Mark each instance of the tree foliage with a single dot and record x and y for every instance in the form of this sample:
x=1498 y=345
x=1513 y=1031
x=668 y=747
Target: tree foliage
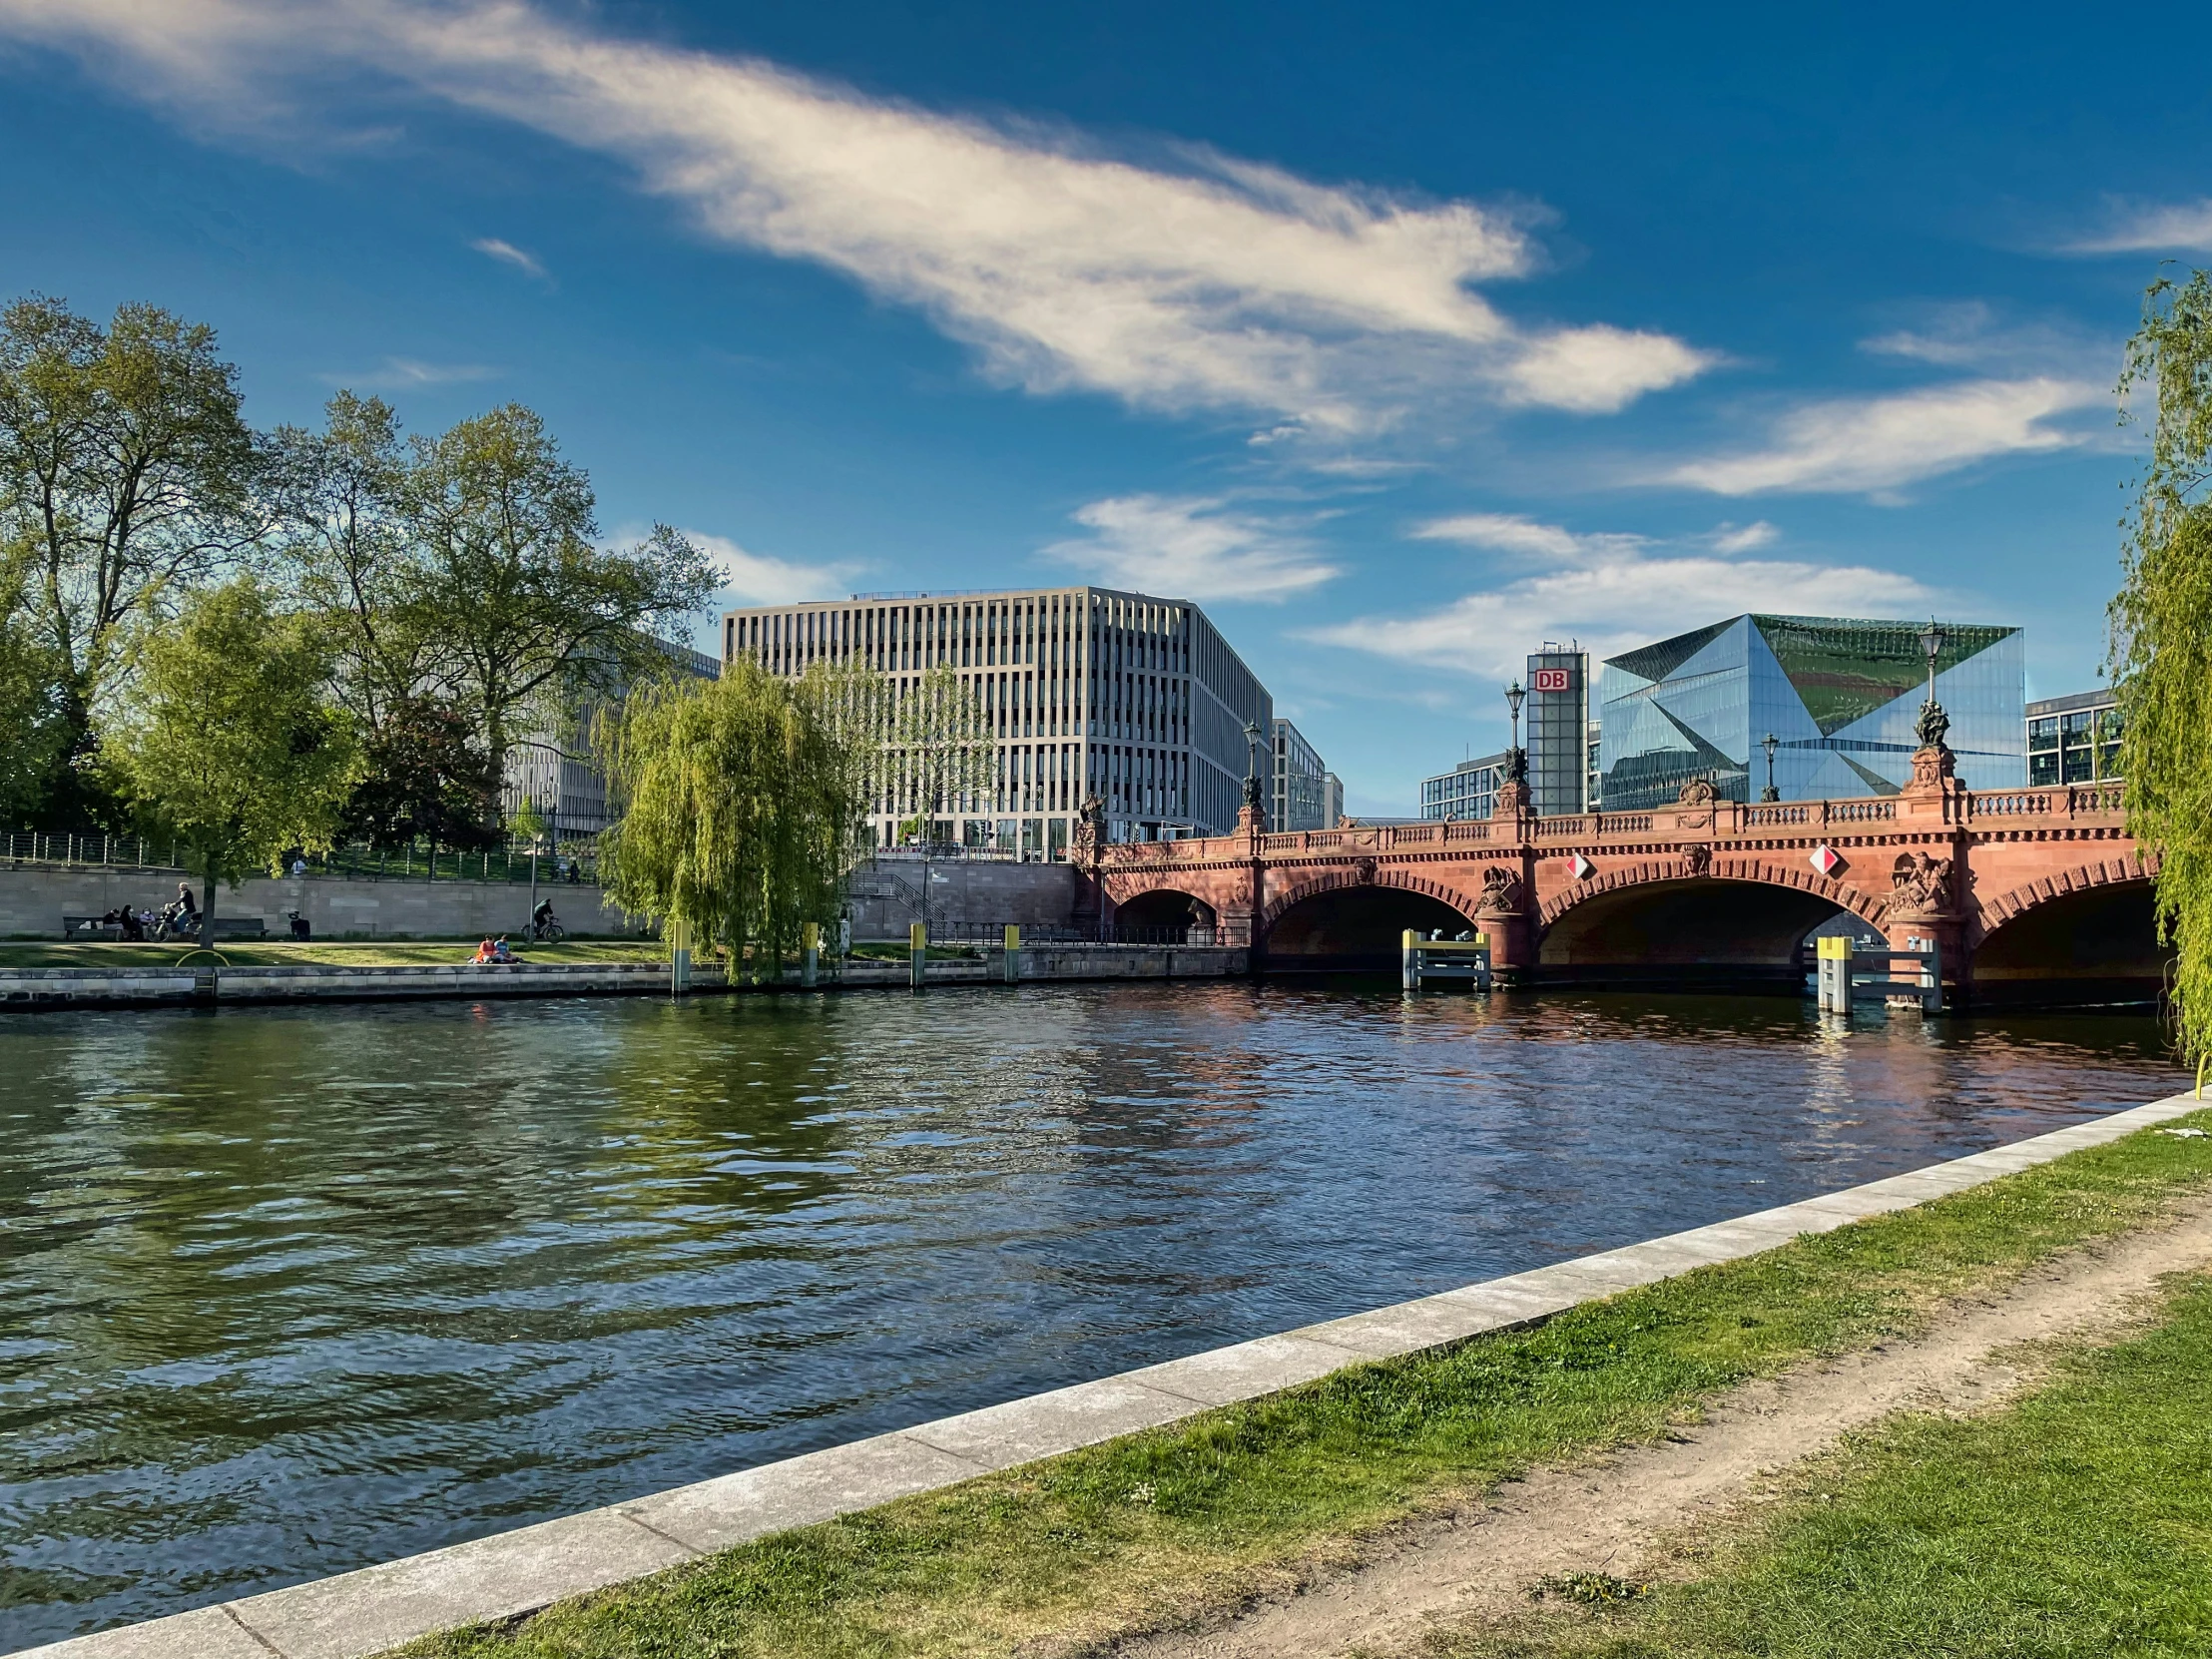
x=508 y=586
x=2161 y=651
x=126 y=477
x=228 y=744
x=741 y=799
x=423 y=779
x=935 y=748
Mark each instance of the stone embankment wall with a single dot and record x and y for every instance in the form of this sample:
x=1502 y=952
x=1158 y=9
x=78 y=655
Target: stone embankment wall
x=33 y=901
x=209 y=982
x=968 y=898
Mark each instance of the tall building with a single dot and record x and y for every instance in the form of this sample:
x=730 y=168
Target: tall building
x=552 y=770
x=1468 y=790
x=1136 y=699
x=1332 y=800
x=1842 y=698
x=1558 y=730
x=1298 y=799
x=2073 y=739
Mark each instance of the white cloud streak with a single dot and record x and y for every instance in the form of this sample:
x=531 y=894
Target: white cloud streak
x=1742 y=538
x=1512 y=533
x=2152 y=227
x=1877 y=444
x=1217 y=284
x=408 y=373
x=508 y=254
x=1191 y=548
x=755 y=579
x=1616 y=595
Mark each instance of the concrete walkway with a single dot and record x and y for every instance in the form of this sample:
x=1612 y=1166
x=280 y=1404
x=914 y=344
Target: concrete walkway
x=365 y=1612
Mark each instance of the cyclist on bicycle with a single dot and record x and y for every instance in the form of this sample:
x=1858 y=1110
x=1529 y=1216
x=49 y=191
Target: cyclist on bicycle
x=542 y=919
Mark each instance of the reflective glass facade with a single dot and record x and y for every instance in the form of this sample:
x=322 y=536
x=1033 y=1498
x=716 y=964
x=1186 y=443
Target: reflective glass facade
x=1468 y=790
x=1558 y=730
x=2073 y=739
x=1840 y=696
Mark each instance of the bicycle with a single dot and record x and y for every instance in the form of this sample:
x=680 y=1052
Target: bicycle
x=547 y=932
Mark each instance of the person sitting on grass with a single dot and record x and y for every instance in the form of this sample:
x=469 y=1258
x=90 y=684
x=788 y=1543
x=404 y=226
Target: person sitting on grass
x=500 y=952
x=484 y=953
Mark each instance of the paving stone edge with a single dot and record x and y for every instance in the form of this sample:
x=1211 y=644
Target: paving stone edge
x=363 y=1613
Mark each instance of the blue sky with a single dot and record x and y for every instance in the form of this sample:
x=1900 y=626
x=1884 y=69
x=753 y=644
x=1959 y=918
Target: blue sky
x=1399 y=337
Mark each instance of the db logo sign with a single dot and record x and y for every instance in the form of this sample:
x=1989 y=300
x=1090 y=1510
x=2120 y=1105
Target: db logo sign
x=1548 y=680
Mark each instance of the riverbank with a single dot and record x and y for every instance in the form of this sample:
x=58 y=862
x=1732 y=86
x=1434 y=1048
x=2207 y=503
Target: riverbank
x=140 y=976
x=1341 y=1435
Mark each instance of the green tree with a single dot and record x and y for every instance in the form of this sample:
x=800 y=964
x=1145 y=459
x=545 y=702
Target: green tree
x=126 y=477
x=344 y=548
x=32 y=734
x=423 y=779
x=508 y=585
x=2161 y=654
x=739 y=806
x=228 y=744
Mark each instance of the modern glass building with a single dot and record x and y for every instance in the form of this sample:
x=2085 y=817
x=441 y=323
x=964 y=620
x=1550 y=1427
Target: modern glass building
x=1841 y=696
x=1468 y=790
x=2073 y=739
x=1299 y=797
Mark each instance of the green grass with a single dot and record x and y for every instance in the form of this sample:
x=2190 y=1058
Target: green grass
x=1166 y=1526
x=327 y=953
x=2074 y=1525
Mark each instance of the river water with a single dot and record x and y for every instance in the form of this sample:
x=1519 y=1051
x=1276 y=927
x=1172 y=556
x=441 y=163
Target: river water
x=286 y=1291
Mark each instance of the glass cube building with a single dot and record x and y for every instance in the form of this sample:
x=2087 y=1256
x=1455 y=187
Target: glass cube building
x=1840 y=696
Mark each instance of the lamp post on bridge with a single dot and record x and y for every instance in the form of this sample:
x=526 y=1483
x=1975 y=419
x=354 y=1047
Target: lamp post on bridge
x=1252 y=772
x=1770 y=744
x=1516 y=760
x=1933 y=724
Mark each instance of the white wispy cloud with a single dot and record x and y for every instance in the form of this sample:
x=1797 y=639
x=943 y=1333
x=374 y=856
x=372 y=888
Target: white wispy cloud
x=2151 y=228
x=1742 y=538
x=747 y=578
x=1873 y=445
x=1205 y=283
x=1191 y=547
x=1612 y=598
x=1512 y=533
x=508 y=254
x=405 y=374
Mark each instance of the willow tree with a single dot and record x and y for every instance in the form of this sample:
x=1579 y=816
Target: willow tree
x=2161 y=655
x=739 y=801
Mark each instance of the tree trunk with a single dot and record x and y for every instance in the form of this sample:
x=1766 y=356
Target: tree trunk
x=207 y=902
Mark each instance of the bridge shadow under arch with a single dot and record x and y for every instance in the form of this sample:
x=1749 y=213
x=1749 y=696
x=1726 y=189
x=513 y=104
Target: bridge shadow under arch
x=1356 y=929
x=1163 y=911
x=2093 y=946
x=1695 y=934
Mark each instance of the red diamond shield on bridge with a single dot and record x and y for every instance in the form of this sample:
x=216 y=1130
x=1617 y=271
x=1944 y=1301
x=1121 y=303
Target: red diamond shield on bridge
x=1825 y=859
x=1582 y=868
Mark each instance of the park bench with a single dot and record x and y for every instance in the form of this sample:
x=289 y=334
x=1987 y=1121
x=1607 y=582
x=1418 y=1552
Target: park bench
x=225 y=927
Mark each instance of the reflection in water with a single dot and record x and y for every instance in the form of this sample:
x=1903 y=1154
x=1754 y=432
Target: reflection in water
x=285 y=1292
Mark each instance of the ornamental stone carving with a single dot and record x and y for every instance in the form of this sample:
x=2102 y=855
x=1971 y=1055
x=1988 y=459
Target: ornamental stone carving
x=1698 y=860
x=1696 y=792
x=1365 y=870
x=1920 y=883
x=1502 y=889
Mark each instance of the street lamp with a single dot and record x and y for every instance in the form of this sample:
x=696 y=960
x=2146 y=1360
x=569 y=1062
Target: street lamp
x=1251 y=763
x=1516 y=764
x=1770 y=744
x=1933 y=724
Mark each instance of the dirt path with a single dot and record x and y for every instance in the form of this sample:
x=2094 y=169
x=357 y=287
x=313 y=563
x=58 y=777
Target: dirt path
x=1610 y=1518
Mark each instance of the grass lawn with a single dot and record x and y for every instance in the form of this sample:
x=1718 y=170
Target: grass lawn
x=1164 y=1527
x=324 y=954
x=2074 y=1524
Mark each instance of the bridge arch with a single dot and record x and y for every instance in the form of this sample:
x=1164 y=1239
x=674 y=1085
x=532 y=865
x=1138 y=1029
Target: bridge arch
x=1164 y=910
x=1351 y=919
x=1725 y=923
x=2084 y=936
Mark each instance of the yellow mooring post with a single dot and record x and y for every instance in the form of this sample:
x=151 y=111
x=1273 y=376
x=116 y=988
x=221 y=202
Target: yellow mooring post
x=1014 y=953
x=1835 y=973
x=809 y=952
x=1409 y=959
x=917 y=953
x=678 y=959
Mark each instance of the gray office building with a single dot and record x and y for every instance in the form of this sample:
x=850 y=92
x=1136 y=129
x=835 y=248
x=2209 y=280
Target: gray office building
x=1468 y=790
x=1136 y=699
x=2073 y=739
x=1558 y=714
x=1299 y=797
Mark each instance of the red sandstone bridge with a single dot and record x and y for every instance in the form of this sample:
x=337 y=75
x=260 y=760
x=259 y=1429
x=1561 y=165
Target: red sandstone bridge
x=2036 y=895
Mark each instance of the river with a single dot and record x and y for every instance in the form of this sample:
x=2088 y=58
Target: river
x=289 y=1290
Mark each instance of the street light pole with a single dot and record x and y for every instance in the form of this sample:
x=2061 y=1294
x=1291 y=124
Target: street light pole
x=1933 y=724
x=1251 y=763
x=1516 y=763
x=1770 y=744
